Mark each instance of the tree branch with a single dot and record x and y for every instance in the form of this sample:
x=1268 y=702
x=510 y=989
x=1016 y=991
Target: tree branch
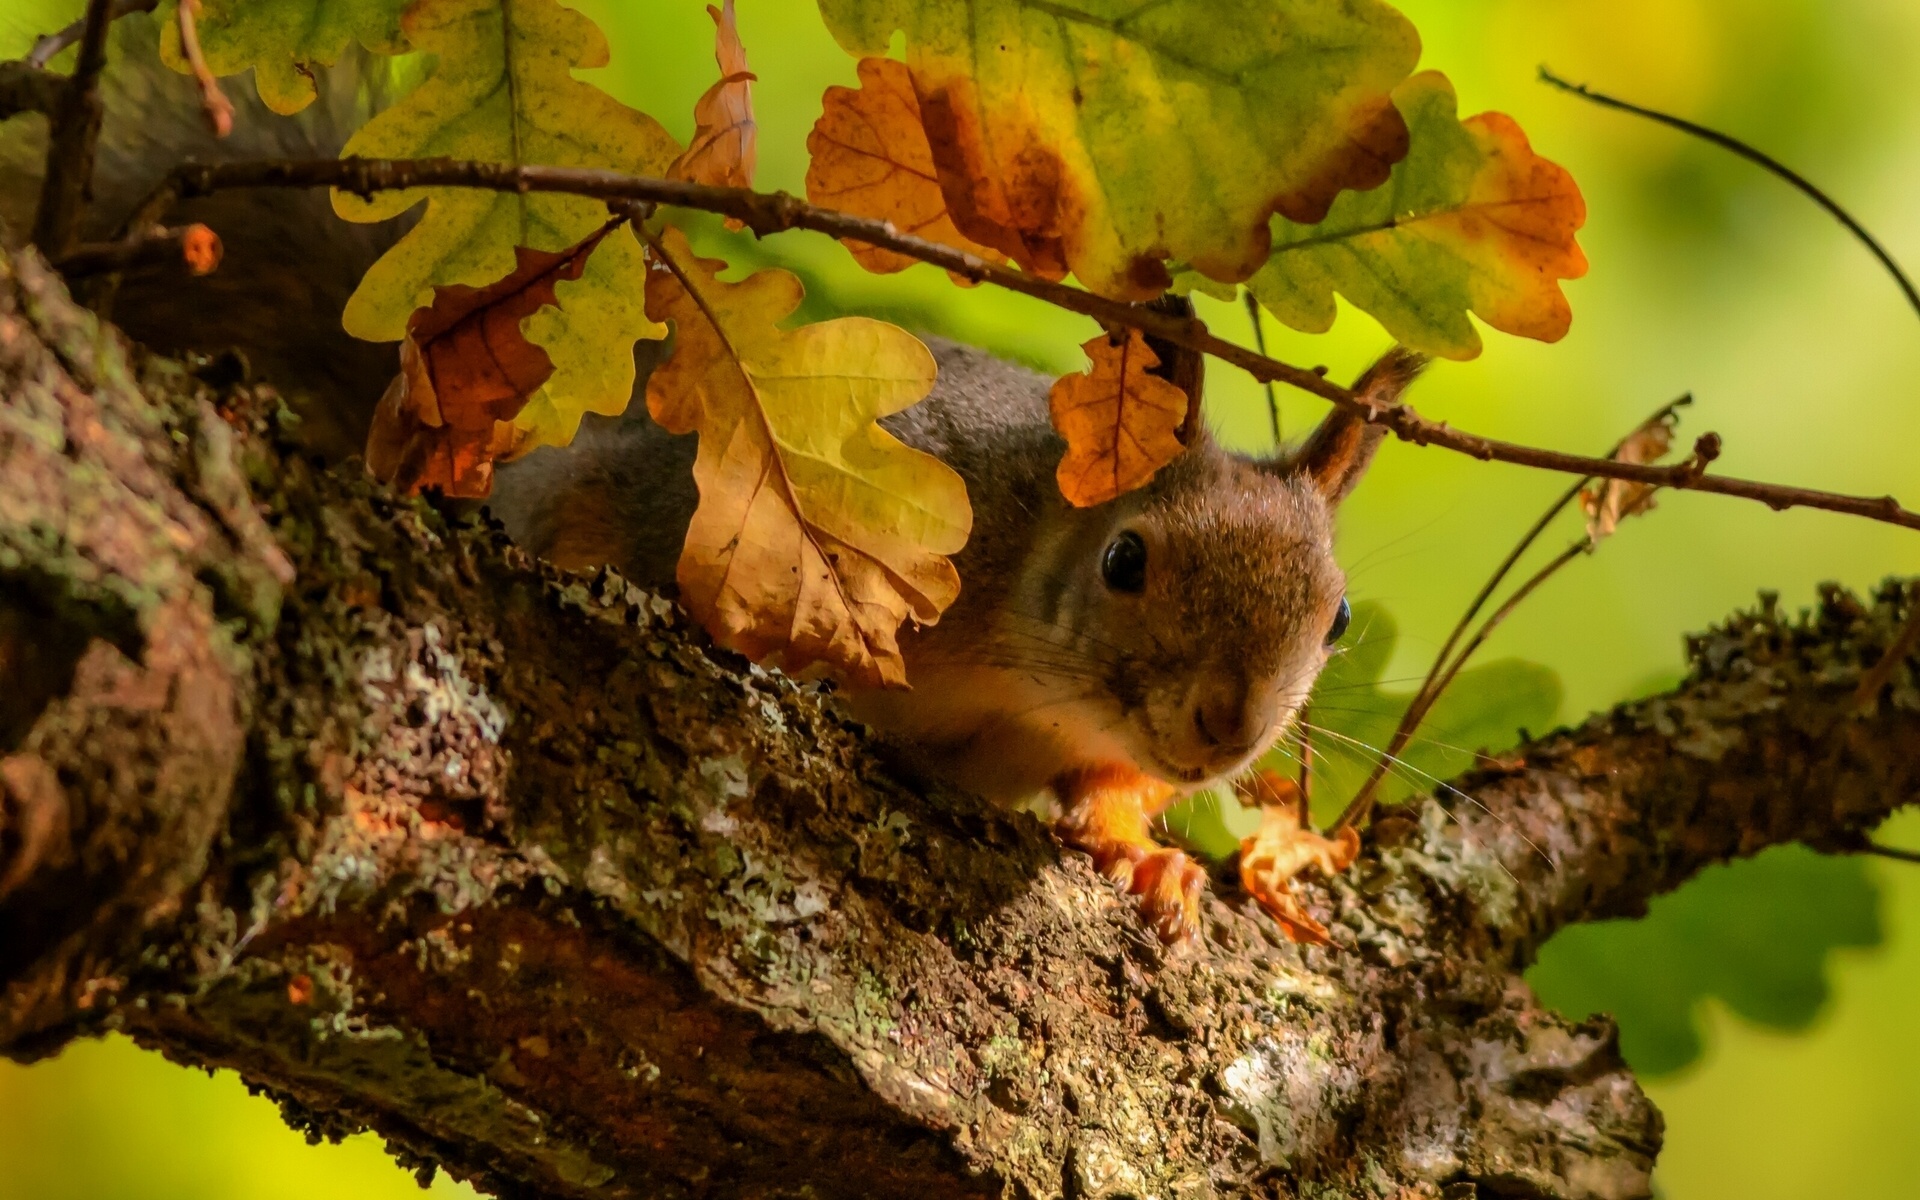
x=28 y=89
x=70 y=141
x=422 y=836
x=766 y=213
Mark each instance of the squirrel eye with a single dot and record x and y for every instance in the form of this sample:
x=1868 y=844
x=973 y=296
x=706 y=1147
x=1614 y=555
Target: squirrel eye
x=1341 y=617
x=1124 y=565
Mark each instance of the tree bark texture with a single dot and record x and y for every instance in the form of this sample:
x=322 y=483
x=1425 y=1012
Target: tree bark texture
x=420 y=835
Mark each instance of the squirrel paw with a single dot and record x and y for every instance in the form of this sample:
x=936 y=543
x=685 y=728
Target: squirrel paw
x=1282 y=848
x=1108 y=816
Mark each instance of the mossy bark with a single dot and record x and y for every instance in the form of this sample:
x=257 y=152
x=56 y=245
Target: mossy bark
x=423 y=836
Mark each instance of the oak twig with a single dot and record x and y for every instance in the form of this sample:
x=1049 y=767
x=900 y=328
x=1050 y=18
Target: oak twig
x=777 y=212
x=25 y=88
x=195 y=247
x=48 y=47
x=70 y=142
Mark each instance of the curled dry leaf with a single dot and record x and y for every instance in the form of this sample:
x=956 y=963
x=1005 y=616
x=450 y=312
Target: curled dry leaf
x=1607 y=502
x=1121 y=422
x=818 y=532
x=1104 y=138
x=724 y=148
x=466 y=372
x=871 y=158
x=1282 y=848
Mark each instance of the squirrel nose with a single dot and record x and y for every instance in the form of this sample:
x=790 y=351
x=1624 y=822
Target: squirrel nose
x=1231 y=714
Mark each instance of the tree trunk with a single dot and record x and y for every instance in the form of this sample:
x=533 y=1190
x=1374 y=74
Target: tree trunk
x=420 y=835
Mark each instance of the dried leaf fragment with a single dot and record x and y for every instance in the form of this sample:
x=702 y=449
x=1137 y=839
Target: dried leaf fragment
x=724 y=149
x=1607 y=502
x=1282 y=848
x=1122 y=423
x=870 y=157
x=466 y=371
x=818 y=532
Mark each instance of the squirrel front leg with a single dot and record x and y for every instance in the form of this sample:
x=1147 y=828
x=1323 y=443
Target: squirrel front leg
x=1108 y=813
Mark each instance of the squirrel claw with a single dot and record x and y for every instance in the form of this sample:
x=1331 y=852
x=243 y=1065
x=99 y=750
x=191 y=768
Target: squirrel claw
x=1169 y=884
x=1282 y=848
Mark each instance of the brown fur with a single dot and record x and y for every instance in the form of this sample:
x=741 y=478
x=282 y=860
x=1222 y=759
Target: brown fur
x=1039 y=669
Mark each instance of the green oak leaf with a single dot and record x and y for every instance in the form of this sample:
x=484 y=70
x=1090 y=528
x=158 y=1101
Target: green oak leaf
x=1757 y=934
x=1471 y=221
x=282 y=40
x=503 y=91
x=1104 y=136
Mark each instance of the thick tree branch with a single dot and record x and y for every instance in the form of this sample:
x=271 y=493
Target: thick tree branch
x=766 y=213
x=70 y=144
x=423 y=836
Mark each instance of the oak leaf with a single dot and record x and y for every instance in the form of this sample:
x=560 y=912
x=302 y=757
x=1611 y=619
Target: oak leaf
x=1121 y=423
x=503 y=90
x=1471 y=221
x=870 y=157
x=466 y=371
x=283 y=41
x=724 y=149
x=817 y=532
x=1104 y=136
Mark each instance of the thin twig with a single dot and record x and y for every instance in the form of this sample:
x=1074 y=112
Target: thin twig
x=1362 y=802
x=1260 y=344
x=213 y=101
x=1306 y=763
x=48 y=47
x=1760 y=159
x=1893 y=852
x=193 y=246
x=26 y=88
x=766 y=213
x=1904 y=644
x=70 y=141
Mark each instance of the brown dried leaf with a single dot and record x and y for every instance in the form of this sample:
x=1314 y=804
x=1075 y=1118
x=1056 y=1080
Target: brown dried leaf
x=1121 y=423
x=1608 y=502
x=466 y=371
x=724 y=150
x=1282 y=848
x=871 y=158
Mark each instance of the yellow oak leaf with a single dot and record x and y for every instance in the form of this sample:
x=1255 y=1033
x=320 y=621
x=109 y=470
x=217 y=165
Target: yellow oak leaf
x=1121 y=422
x=817 y=532
x=282 y=40
x=870 y=157
x=724 y=149
x=503 y=90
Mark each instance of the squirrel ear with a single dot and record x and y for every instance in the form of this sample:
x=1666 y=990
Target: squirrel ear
x=1338 y=451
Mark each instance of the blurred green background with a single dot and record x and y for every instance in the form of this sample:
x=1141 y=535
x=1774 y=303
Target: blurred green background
x=1768 y=1003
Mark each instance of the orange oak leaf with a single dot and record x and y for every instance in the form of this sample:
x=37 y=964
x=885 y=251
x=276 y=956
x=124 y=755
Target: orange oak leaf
x=871 y=158
x=817 y=532
x=724 y=149
x=1121 y=422
x=466 y=371
x=1282 y=848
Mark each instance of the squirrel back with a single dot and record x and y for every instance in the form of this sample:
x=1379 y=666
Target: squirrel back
x=290 y=264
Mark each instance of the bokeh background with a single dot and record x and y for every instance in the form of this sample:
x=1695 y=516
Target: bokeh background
x=1769 y=1004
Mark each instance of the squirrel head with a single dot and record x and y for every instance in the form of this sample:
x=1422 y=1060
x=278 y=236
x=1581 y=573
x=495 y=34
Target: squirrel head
x=1190 y=618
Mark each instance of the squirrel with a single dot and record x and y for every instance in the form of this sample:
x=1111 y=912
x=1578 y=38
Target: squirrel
x=1115 y=657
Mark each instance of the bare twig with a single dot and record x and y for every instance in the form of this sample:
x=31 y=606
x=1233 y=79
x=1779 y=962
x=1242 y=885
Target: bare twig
x=775 y=212
x=47 y=48
x=26 y=88
x=1444 y=668
x=1260 y=344
x=1306 y=765
x=194 y=246
x=213 y=101
x=1892 y=852
x=1762 y=160
x=70 y=142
